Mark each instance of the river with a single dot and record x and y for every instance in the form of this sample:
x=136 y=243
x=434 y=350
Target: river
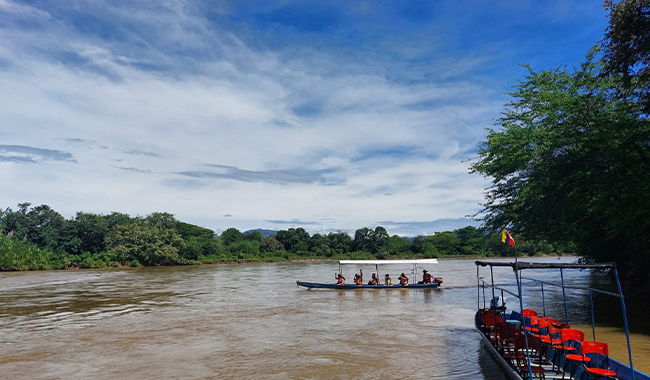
x=252 y=321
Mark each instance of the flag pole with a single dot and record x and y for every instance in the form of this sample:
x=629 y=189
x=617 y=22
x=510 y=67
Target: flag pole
x=521 y=304
x=516 y=264
x=515 y=254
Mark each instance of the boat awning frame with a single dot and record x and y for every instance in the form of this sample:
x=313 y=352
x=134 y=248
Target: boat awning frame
x=517 y=267
x=528 y=265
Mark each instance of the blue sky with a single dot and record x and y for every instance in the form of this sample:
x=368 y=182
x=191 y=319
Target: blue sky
x=327 y=115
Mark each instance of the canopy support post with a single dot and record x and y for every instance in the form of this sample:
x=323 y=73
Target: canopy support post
x=566 y=312
x=523 y=325
x=593 y=317
x=627 y=330
x=543 y=301
x=478 y=289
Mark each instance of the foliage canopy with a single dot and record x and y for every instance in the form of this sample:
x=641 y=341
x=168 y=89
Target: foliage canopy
x=570 y=162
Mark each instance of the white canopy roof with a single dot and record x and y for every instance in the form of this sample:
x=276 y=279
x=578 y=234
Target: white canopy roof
x=384 y=262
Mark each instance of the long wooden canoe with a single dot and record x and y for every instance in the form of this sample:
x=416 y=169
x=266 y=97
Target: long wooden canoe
x=317 y=285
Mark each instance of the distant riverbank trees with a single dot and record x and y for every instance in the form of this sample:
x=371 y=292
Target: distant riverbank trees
x=38 y=237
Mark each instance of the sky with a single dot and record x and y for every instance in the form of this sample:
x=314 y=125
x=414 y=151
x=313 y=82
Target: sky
x=325 y=115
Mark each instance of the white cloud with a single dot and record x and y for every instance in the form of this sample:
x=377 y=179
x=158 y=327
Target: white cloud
x=21 y=10
x=235 y=107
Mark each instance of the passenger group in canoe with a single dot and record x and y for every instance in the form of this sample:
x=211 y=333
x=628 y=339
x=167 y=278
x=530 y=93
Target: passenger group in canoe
x=427 y=278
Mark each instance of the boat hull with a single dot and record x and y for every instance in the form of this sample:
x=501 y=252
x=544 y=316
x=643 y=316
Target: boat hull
x=505 y=366
x=317 y=285
x=623 y=372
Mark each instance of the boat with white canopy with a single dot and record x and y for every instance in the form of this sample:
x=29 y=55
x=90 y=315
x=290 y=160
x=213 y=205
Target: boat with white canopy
x=385 y=282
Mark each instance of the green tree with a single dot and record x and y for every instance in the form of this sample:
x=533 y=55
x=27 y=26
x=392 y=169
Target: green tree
x=446 y=243
x=116 y=218
x=270 y=244
x=191 y=248
x=253 y=236
x=379 y=239
x=568 y=163
x=368 y=240
x=294 y=239
x=40 y=225
x=190 y=230
x=212 y=247
x=467 y=233
x=70 y=242
x=398 y=245
x=363 y=239
x=15 y=222
x=423 y=247
x=46 y=225
x=231 y=235
x=319 y=244
x=148 y=245
x=161 y=220
x=340 y=242
x=90 y=230
x=245 y=249
x=626 y=48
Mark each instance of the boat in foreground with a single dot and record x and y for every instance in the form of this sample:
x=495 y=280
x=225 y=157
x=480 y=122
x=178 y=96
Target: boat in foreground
x=412 y=284
x=529 y=344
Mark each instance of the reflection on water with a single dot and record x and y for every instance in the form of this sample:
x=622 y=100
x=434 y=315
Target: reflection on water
x=242 y=321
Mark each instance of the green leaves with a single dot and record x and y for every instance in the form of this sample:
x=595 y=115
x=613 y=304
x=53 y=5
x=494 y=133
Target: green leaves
x=148 y=244
x=569 y=162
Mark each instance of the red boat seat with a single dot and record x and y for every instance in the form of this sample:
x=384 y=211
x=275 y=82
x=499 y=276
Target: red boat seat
x=597 y=348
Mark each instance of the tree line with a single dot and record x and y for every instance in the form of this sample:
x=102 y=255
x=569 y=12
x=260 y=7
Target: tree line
x=569 y=159
x=38 y=237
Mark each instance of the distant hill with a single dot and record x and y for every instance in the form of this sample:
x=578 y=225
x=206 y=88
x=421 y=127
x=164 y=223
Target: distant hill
x=264 y=232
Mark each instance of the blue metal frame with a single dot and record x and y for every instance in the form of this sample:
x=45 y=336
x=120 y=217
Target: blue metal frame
x=627 y=331
x=593 y=315
x=543 y=301
x=521 y=305
x=518 y=276
x=566 y=311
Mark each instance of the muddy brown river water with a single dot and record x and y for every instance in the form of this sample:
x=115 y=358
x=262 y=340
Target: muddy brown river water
x=252 y=321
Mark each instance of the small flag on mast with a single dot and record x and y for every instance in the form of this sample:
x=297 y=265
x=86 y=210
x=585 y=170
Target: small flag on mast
x=506 y=238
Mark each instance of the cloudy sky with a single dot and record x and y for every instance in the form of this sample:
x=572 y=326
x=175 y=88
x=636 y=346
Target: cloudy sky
x=327 y=115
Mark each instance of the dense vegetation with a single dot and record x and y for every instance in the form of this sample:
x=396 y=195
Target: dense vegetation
x=40 y=238
x=570 y=157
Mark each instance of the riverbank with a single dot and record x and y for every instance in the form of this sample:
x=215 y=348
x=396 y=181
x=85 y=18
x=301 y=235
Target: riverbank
x=107 y=261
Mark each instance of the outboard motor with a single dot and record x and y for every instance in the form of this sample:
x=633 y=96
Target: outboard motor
x=499 y=304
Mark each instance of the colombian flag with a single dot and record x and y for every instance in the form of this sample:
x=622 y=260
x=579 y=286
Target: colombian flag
x=506 y=238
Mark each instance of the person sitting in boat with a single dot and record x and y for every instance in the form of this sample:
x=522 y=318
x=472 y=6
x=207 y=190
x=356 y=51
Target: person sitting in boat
x=388 y=281
x=426 y=277
x=340 y=280
x=403 y=280
x=499 y=304
x=374 y=280
x=358 y=279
